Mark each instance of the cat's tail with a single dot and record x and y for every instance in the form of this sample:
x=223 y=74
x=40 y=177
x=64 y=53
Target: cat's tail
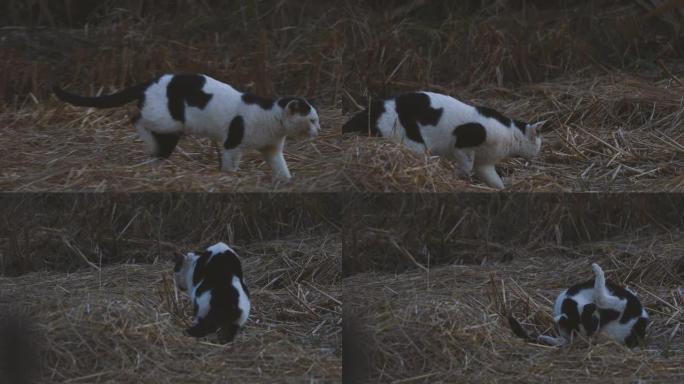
x=118 y=99
x=363 y=122
x=518 y=329
x=544 y=339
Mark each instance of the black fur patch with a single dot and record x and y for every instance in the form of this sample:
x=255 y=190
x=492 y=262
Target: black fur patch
x=572 y=317
x=608 y=315
x=469 y=135
x=518 y=329
x=186 y=89
x=494 y=114
x=263 y=102
x=302 y=107
x=166 y=143
x=521 y=125
x=414 y=108
x=236 y=132
x=633 y=308
x=637 y=334
x=360 y=122
x=590 y=319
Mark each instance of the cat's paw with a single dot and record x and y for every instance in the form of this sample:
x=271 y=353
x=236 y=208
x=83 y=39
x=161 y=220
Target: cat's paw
x=597 y=270
x=282 y=179
x=554 y=341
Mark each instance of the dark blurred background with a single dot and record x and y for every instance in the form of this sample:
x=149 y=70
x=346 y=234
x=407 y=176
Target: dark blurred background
x=66 y=232
x=398 y=232
x=334 y=51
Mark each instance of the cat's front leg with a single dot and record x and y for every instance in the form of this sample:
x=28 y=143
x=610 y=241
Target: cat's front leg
x=488 y=174
x=230 y=161
x=276 y=160
x=465 y=159
x=554 y=341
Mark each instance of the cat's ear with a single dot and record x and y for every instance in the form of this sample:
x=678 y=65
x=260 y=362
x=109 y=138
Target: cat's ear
x=534 y=129
x=295 y=106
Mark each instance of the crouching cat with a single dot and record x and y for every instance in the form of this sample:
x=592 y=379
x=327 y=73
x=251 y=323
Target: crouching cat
x=174 y=105
x=220 y=298
x=426 y=122
x=595 y=307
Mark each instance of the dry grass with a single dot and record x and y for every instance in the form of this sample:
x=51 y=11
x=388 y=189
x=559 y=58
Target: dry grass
x=448 y=324
x=75 y=149
x=605 y=73
x=611 y=133
x=122 y=323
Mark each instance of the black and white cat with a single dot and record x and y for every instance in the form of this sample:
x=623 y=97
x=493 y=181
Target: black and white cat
x=174 y=105
x=427 y=122
x=595 y=307
x=220 y=298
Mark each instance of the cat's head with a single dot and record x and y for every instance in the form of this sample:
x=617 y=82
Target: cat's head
x=531 y=145
x=183 y=268
x=300 y=118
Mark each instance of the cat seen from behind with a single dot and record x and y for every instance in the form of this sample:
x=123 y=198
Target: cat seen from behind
x=213 y=281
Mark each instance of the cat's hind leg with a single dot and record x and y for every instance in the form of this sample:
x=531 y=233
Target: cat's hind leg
x=157 y=144
x=602 y=297
x=488 y=174
x=230 y=161
x=166 y=143
x=202 y=326
x=150 y=143
x=227 y=333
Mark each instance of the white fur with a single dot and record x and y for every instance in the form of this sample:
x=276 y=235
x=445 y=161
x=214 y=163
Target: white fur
x=220 y=247
x=243 y=303
x=601 y=296
x=501 y=141
x=265 y=130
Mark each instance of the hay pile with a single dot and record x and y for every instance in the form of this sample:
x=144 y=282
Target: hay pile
x=51 y=147
x=448 y=324
x=123 y=324
x=614 y=132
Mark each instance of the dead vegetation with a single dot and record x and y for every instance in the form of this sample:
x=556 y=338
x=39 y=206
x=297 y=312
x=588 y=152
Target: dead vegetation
x=610 y=133
x=73 y=149
x=92 y=274
x=123 y=323
x=449 y=324
x=430 y=278
x=606 y=74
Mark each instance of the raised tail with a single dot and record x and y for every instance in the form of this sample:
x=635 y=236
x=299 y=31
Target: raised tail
x=118 y=99
x=366 y=121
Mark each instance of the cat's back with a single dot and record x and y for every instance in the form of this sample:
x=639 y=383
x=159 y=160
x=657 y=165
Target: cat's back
x=634 y=308
x=222 y=264
x=581 y=293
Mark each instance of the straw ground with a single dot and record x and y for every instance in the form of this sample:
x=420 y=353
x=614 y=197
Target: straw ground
x=62 y=148
x=610 y=132
x=607 y=75
x=448 y=323
x=124 y=322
